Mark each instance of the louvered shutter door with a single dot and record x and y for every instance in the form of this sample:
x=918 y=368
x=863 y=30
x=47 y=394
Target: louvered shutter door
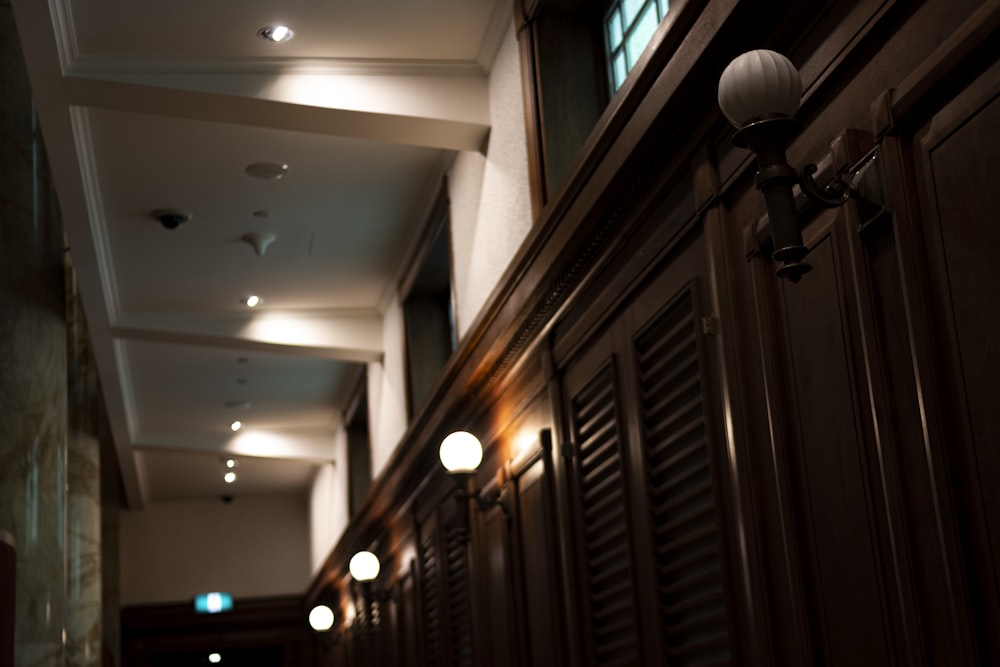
x=430 y=592
x=683 y=514
x=603 y=522
x=459 y=604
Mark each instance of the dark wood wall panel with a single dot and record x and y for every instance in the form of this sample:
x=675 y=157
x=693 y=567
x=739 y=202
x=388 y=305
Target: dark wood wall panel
x=721 y=467
x=544 y=618
x=833 y=500
x=497 y=602
x=956 y=163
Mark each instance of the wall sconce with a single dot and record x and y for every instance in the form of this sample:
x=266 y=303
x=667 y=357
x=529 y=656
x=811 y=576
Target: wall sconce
x=759 y=92
x=364 y=566
x=460 y=454
x=321 y=618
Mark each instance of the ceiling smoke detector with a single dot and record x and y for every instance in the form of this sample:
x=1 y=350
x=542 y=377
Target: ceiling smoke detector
x=171 y=218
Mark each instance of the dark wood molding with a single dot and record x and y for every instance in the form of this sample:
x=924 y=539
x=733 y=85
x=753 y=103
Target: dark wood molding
x=961 y=55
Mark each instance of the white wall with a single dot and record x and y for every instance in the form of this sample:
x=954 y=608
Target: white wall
x=256 y=546
x=490 y=216
x=490 y=196
x=387 y=390
x=328 y=505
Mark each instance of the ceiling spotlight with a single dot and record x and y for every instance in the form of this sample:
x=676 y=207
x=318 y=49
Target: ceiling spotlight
x=250 y=301
x=271 y=171
x=275 y=33
x=230 y=463
x=214 y=658
x=229 y=477
x=236 y=426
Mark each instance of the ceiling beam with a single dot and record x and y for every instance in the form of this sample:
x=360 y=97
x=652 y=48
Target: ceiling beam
x=396 y=128
x=344 y=337
x=316 y=445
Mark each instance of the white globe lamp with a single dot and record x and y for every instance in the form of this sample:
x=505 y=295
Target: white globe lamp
x=757 y=85
x=461 y=452
x=321 y=618
x=364 y=566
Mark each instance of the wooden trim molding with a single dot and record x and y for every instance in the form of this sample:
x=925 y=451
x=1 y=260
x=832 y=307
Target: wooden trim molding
x=958 y=52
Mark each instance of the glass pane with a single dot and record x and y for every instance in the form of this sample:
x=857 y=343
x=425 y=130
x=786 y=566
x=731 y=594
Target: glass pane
x=664 y=8
x=641 y=34
x=630 y=8
x=621 y=70
x=614 y=31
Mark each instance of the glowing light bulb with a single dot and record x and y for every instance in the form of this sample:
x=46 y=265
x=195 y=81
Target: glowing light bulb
x=236 y=426
x=461 y=452
x=321 y=618
x=364 y=566
x=229 y=477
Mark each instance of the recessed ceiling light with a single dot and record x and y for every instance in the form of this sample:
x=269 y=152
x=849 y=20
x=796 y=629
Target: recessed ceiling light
x=236 y=426
x=250 y=301
x=229 y=477
x=275 y=33
x=230 y=463
x=214 y=658
x=267 y=170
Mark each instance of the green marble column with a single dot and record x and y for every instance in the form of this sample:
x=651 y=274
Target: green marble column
x=83 y=562
x=83 y=499
x=32 y=368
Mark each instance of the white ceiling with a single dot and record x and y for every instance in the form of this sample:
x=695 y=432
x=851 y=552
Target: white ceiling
x=156 y=104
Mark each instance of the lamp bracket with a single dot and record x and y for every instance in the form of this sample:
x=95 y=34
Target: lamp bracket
x=835 y=194
x=486 y=503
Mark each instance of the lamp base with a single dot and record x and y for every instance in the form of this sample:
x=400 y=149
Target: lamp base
x=767 y=137
x=767 y=131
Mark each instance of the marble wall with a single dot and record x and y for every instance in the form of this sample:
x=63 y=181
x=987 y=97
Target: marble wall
x=32 y=368
x=83 y=552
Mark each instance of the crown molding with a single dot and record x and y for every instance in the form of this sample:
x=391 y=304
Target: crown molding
x=99 y=65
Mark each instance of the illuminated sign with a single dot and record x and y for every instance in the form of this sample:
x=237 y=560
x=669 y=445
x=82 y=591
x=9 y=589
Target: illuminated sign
x=213 y=603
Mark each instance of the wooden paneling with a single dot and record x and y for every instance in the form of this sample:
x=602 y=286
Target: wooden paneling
x=538 y=538
x=831 y=479
x=740 y=470
x=958 y=172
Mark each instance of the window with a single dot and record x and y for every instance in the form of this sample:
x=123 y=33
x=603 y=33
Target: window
x=428 y=314
x=359 y=454
x=628 y=27
x=576 y=54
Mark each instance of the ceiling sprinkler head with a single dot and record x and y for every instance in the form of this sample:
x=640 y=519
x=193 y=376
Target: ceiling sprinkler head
x=259 y=241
